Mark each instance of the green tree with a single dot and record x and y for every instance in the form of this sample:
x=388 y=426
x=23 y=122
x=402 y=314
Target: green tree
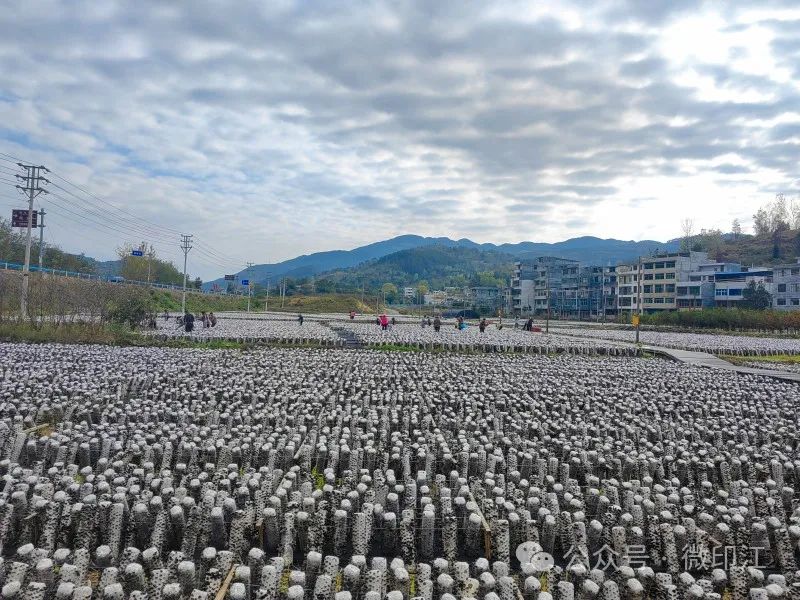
x=487 y=279
x=198 y=283
x=12 y=249
x=422 y=287
x=761 y=222
x=756 y=297
x=389 y=291
x=136 y=267
x=325 y=286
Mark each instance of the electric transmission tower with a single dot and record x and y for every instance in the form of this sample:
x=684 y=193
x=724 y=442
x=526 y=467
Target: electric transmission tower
x=186 y=245
x=249 y=284
x=31 y=186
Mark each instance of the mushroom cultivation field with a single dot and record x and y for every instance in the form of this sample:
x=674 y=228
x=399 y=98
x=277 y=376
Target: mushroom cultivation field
x=155 y=473
x=507 y=338
x=251 y=329
x=337 y=331
x=699 y=342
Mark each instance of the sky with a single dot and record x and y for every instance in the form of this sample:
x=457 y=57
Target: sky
x=273 y=129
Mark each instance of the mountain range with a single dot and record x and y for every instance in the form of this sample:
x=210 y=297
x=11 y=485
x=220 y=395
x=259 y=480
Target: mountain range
x=588 y=249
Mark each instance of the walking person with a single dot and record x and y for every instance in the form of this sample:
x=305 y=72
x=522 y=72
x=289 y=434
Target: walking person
x=482 y=325
x=188 y=322
x=212 y=318
x=384 y=321
x=437 y=324
x=529 y=324
x=300 y=319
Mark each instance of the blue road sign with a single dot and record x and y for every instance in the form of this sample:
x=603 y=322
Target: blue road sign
x=245 y=282
x=137 y=253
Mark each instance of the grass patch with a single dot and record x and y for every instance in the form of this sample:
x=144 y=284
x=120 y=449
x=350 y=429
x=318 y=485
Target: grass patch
x=283 y=585
x=320 y=303
x=319 y=479
x=115 y=335
x=782 y=359
x=196 y=302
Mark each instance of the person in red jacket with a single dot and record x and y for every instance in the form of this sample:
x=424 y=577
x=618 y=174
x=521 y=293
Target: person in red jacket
x=384 y=322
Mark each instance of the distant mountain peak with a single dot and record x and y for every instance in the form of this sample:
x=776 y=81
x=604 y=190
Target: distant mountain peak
x=589 y=249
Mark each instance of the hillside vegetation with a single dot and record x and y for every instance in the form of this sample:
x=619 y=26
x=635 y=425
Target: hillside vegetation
x=776 y=237
x=321 y=303
x=437 y=266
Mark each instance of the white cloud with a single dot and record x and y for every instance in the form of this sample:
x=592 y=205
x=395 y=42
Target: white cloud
x=284 y=128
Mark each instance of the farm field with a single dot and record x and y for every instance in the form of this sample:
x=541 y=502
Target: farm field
x=337 y=330
x=350 y=474
x=699 y=342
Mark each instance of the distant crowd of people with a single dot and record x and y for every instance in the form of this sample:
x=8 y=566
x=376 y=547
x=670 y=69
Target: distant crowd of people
x=209 y=319
x=188 y=319
x=385 y=323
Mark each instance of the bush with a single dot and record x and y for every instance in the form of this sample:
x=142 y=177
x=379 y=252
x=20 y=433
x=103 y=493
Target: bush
x=727 y=318
x=134 y=308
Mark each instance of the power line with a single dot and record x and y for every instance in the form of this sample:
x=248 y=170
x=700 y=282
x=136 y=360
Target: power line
x=83 y=219
x=113 y=233
x=32 y=185
x=10 y=171
x=127 y=222
x=88 y=214
x=10 y=158
x=186 y=245
x=119 y=220
x=106 y=204
x=152 y=228
x=105 y=230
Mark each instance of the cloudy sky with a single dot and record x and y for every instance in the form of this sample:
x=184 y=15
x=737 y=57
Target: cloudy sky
x=271 y=129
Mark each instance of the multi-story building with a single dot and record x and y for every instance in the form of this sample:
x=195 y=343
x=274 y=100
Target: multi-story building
x=563 y=286
x=657 y=276
x=697 y=290
x=487 y=298
x=729 y=286
x=522 y=289
x=786 y=286
x=436 y=298
x=675 y=281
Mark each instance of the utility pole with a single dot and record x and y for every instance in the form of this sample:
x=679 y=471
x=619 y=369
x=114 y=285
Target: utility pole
x=32 y=187
x=266 y=302
x=151 y=254
x=547 y=292
x=283 y=291
x=41 y=238
x=249 y=284
x=186 y=245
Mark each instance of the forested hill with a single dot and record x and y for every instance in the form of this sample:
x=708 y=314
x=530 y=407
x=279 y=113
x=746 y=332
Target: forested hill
x=437 y=266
